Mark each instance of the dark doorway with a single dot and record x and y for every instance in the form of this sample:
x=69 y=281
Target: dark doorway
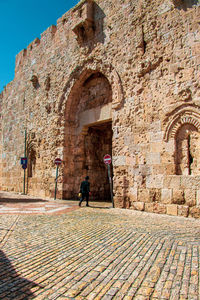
x=98 y=142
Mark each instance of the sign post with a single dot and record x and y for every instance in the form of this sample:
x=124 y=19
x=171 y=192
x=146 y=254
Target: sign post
x=58 y=162
x=24 y=166
x=107 y=160
x=24 y=161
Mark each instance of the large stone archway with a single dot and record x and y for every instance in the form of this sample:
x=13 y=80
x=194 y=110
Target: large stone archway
x=88 y=134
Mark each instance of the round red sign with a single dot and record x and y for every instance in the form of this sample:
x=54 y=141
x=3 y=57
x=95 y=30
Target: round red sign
x=107 y=159
x=58 y=161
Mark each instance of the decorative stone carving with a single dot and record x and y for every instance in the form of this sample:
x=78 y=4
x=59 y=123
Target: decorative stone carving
x=184 y=128
x=180 y=118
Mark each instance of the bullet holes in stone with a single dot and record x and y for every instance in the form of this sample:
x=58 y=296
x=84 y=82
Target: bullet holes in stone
x=80 y=13
x=144 y=46
x=35 y=81
x=48 y=108
x=64 y=21
x=144 y=43
x=184 y=4
x=23 y=102
x=47 y=83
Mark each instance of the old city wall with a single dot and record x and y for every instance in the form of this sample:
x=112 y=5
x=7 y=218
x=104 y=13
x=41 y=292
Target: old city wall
x=147 y=54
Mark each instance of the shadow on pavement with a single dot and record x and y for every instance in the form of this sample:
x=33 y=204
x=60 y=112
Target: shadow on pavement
x=12 y=285
x=24 y=200
x=101 y=207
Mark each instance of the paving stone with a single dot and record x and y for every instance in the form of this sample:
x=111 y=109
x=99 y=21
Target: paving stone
x=99 y=254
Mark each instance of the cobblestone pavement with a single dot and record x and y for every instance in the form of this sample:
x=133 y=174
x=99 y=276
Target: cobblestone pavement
x=22 y=204
x=99 y=253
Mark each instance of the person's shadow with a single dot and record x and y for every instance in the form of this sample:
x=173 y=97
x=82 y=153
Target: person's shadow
x=12 y=286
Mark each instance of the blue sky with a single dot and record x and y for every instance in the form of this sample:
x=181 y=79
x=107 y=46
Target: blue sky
x=21 y=21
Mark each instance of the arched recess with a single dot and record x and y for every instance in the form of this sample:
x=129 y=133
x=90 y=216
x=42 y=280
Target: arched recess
x=184 y=129
x=79 y=74
x=86 y=107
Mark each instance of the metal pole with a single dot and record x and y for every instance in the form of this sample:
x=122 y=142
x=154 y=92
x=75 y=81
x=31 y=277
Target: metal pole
x=110 y=182
x=56 y=182
x=24 y=169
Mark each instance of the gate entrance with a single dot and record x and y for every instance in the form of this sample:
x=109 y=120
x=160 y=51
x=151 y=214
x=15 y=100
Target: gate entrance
x=97 y=143
x=88 y=136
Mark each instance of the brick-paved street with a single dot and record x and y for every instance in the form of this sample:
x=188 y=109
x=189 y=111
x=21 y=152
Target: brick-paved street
x=99 y=253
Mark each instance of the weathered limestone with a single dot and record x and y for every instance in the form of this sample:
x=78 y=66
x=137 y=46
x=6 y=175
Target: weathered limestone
x=116 y=77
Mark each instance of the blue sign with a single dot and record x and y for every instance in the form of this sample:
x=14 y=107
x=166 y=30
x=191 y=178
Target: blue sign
x=24 y=162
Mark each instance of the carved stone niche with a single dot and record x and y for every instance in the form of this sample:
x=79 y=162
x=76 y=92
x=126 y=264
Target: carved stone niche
x=84 y=27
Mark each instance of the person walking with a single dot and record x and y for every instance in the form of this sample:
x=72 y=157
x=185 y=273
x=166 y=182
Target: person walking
x=85 y=190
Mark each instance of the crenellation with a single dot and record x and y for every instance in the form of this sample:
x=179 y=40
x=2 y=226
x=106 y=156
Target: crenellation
x=48 y=35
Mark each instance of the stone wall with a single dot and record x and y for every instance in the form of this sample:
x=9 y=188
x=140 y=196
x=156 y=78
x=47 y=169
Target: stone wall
x=135 y=63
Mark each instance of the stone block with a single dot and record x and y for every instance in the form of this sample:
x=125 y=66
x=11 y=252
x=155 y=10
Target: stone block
x=155 y=126
x=171 y=181
x=155 y=181
x=178 y=196
x=190 y=197
x=156 y=147
x=133 y=195
x=166 y=196
x=130 y=161
x=148 y=207
x=183 y=210
x=154 y=195
x=190 y=182
x=159 y=208
x=143 y=195
x=198 y=198
x=144 y=170
x=118 y=201
x=119 y=161
x=170 y=168
x=155 y=208
x=138 y=206
x=194 y=212
x=156 y=136
x=172 y=209
x=169 y=147
x=153 y=158
x=158 y=170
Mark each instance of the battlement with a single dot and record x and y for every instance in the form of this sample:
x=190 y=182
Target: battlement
x=46 y=40
x=77 y=23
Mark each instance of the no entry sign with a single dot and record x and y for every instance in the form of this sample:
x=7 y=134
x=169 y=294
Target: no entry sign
x=58 y=161
x=107 y=159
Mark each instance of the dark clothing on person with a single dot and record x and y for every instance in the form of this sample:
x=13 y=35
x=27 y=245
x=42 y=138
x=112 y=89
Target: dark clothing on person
x=85 y=190
x=85 y=187
x=86 y=197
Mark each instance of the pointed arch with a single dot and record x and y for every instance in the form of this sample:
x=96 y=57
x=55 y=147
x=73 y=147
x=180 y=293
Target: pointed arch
x=79 y=75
